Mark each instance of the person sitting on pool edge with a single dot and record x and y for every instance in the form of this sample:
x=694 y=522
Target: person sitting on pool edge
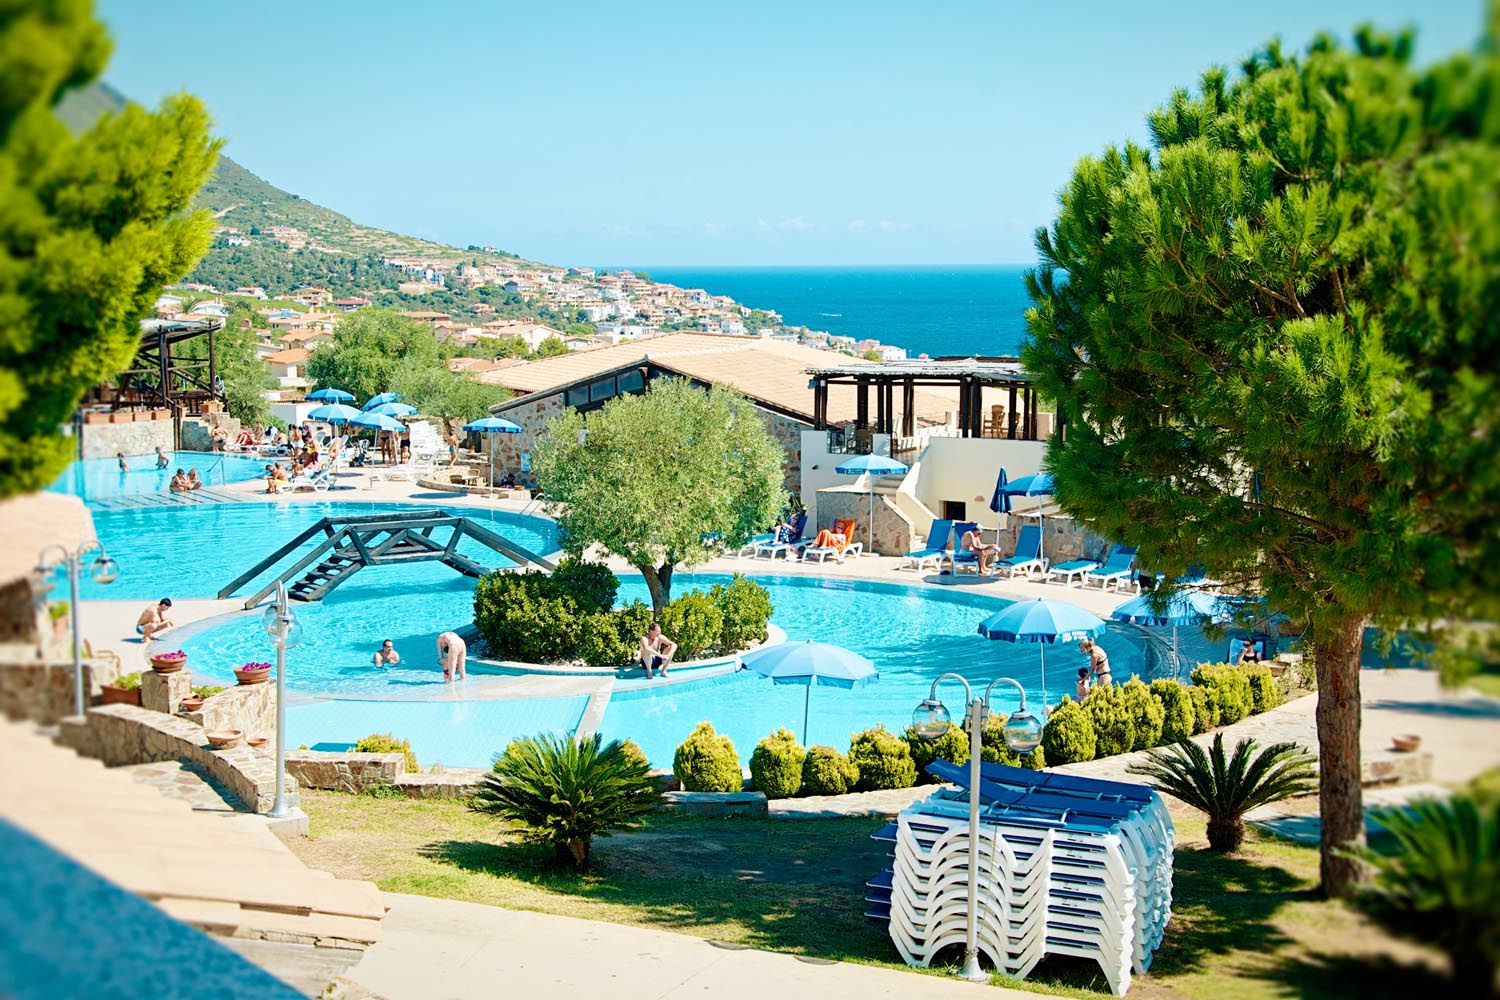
x=179 y=482
x=453 y=653
x=193 y=482
x=386 y=655
x=154 y=621
x=656 y=650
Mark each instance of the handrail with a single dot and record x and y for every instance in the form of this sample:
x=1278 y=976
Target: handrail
x=320 y=525
x=331 y=542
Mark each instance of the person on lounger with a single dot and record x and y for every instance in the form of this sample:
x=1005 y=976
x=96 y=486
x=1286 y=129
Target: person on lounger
x=656 y=651
x=154 y=621
x=453 y=653
x=832 y=538
x=974 y=542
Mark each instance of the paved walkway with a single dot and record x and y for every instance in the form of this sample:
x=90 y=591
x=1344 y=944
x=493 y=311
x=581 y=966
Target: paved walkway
x=438 y=949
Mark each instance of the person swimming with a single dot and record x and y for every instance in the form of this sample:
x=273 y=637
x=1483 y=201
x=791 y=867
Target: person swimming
x=386 y=655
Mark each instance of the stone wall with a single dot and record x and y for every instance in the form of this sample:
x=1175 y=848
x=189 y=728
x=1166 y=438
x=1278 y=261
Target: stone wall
x=348 y=771
x=198 y=432
x=1062 y=538
x=250 y=708
x=41 y=690
x=127 y=734
x=138 y=437
x=505 y=450
x=788 y=434
x=893 y=535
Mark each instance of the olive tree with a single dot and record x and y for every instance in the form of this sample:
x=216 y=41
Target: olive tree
x=664 y=479
x=1272 y=341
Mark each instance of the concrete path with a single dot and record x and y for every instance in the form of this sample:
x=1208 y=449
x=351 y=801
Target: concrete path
x=438 y=949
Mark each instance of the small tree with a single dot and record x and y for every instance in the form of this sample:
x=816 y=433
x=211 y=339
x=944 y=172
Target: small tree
x=93 y=226
x=665 y=479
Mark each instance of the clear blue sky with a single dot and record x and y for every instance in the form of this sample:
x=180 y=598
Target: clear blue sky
x=704 y=133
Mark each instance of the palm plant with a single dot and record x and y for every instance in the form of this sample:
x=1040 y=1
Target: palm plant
x=1442 y=885
x=566 y=792
x=1227 y=789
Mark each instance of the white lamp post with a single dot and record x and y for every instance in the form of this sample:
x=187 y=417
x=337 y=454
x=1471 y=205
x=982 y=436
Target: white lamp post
x=103 y=569
x=1022 y=733
x=281 y=625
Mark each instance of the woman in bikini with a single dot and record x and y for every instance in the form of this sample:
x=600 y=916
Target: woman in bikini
x=1098 y=661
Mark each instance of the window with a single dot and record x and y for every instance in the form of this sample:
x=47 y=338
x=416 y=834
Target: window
x=601 y=390
x=633 y=381
x=577 y=397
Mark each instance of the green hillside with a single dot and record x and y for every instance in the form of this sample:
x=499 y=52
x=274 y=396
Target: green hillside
x=349 y=264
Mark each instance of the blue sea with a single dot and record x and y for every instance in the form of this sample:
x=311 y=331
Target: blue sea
x=927 y=310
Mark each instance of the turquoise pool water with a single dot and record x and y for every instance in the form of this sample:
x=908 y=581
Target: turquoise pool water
x=98 y=478
x=192 y=551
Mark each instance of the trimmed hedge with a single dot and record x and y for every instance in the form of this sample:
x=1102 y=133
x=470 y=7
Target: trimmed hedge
x=1205 y=708
x=1114 y=727
x=745 y=607
x=1231 y=686
x=1069 y=735
x=776 y=765
x=707 y=762
x=1145 y=712
x=951 y=746
x=882 y=759
x=694 y=623
x=1177 y=710
x=825 y=771
x=992 y=748
x=387 y=743
x=1265 y=693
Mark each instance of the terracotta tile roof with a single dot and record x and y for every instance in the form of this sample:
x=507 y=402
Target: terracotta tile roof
x=291 y=356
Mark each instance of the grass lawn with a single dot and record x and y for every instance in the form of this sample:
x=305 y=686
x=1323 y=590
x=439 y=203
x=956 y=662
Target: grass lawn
x=1247 y=926
x=1486 y=683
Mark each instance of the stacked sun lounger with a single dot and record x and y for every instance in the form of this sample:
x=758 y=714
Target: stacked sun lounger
x=1067 y=865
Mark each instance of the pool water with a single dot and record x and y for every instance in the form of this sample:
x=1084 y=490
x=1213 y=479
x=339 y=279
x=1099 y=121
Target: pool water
x=99 y=478
x=192 y=551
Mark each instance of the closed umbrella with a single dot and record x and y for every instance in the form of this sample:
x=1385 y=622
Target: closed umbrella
x=874 y=465
x=1184 y=607
x=331 y=396
x=809 y=663
x=1043 y=621
x=492 y=425
x=1038 y=485
x=379 y=398
x=1000 y=502
x=334 y=413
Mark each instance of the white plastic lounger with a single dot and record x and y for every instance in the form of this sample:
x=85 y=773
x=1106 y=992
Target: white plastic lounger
x=749 y=547
x=319 y=481
x=821 y=553
x=1071 y=570
x=1118 y=569
x=1028 y=555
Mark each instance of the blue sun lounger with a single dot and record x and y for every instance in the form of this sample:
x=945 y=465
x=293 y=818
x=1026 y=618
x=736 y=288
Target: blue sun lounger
x=1073 y=569
x=1118 y=569
x=1028 y=554
x=936 y=551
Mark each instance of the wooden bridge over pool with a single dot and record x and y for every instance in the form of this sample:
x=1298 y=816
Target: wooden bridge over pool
x=351 y=543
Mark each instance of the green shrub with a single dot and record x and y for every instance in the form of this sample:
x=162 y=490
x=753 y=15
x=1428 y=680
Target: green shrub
x=382 y=791
x=632 y=751
x=128 y=682
x=1146 y=713
x=694 y=623
x=592 y=586
x=1442 y=885
x=1069 y=735
x=519 y=618
x=1114 y=727
x=707 y=762
x=992 y=748
x=600 y=643
x=1205 y=708
x=1484 y=787
x=882 y=759
x=745 y=607
x=387 y=743
x=1265 y=693
x=825 y=771
x=776 y=765
x=567 y=791
x=206 y=690
x=631 y=623
x=951 y=746
x=1231 y=686
x=1178 y=716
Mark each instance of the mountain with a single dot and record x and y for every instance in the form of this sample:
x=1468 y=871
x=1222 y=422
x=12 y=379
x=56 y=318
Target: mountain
x=327 y=248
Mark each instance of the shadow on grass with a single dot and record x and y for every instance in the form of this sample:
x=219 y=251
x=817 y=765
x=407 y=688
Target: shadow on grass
x=780 y=885
x=1369 y=977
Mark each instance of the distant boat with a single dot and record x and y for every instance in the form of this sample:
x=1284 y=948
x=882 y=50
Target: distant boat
x=833 y=315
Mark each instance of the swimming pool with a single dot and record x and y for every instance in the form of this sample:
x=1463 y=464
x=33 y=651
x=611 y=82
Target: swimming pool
x=192 y=551
x=98 y=478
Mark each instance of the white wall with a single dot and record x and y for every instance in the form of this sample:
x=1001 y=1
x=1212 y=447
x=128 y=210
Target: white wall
x=818 y=466
x=292 y=413
x=961 y=469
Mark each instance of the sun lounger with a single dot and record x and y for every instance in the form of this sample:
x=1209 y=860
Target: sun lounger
x=963 y=559
x=1073 y=568
x=1028 y=555
x=319 y=480
x=1118 y=569
x=936 y=551
x=749 y=547
x=790 y=548
x=842 y=526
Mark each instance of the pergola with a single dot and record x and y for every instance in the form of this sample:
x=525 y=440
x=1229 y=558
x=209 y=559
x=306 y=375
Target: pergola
x=970 y=375
x=158 y=377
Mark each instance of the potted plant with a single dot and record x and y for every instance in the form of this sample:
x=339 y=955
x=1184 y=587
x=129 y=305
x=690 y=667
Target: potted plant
x=168 y=663
x=126 y=690
x=253 y=673
x=201 y=693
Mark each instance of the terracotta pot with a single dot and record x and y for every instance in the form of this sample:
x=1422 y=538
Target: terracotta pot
x=222 y=739
x=258 y=741
x=164 y=665
x=120 y=696
x=1406 y=742
x=251 y=676
x=192 y=704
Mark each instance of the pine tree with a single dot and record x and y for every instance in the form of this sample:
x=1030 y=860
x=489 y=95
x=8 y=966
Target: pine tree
x=93 y=226
x=1272 y=339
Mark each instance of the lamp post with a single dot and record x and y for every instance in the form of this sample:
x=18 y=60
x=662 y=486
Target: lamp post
x=1022 y=733
x=103 y=569
x=281 y=625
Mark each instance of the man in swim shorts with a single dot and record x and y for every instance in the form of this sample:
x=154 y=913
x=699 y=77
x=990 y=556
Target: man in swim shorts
x=656 y=650
x=154 y=621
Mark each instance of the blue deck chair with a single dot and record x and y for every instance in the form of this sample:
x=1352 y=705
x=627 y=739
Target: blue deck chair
x=1260 y=642
x=1028 y=555
x=961 y=558
x=788 y=547
x=936 y=550
x=1073 y=569
x=1118 y=569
